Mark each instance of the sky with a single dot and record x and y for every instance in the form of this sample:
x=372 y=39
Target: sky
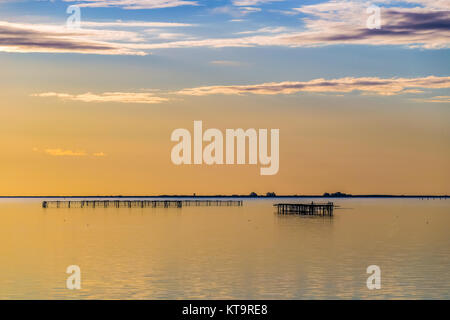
x=89 y=109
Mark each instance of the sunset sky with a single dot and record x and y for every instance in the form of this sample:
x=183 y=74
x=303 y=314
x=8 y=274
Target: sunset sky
x=90 y=111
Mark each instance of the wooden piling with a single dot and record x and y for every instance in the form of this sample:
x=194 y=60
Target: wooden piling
x=311 y=209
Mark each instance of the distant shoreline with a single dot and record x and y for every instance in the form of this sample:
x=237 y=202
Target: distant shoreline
x=235 y=196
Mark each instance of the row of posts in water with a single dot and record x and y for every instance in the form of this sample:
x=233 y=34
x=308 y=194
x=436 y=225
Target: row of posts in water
x=138 y=203
x=314 y=209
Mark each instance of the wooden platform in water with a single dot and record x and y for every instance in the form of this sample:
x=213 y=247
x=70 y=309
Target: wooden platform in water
x=310 y=209
x=138 y=203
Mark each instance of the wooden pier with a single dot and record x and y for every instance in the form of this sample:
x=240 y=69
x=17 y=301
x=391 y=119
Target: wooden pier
x=138 y=203
x=309 y=209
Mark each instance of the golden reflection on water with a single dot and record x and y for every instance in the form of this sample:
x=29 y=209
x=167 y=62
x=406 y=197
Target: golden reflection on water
x=246 y=252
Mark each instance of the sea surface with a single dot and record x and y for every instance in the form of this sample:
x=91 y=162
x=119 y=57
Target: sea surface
x=247 y=252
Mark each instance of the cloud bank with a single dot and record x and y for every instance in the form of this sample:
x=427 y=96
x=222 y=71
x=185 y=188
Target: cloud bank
x=422 y=24
x=366 y=85
x=426 y=25
x=22 y=37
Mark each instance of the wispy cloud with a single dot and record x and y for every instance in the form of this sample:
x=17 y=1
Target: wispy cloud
x=99 y=154
x=65 y=153
x=235 y=12
x=366 y=85
x=117 y=97
x=170 y=35
x=252 y=2
x=226 y=63
x=134 y=24
x=437 y=99
x=60 y=152
x=268 y=30
x=134 y=4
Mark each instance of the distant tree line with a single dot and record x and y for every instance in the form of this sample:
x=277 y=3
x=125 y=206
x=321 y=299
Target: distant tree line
x=268 y=194
x=336 y=194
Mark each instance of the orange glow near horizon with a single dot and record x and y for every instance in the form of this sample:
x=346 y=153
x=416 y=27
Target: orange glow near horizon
x=53 y=147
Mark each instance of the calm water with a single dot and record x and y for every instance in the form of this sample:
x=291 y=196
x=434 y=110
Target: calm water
x=244 y=252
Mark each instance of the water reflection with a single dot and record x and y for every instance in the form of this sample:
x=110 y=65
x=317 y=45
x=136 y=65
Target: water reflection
x=246 y=252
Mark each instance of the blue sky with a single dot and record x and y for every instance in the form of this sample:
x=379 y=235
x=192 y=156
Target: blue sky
x=240 y=42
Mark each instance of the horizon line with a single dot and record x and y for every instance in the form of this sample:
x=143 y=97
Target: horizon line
x=236 y=196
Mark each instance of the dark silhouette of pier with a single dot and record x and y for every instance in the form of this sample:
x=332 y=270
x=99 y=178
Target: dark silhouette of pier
x=309 y=209
x=138 y=203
